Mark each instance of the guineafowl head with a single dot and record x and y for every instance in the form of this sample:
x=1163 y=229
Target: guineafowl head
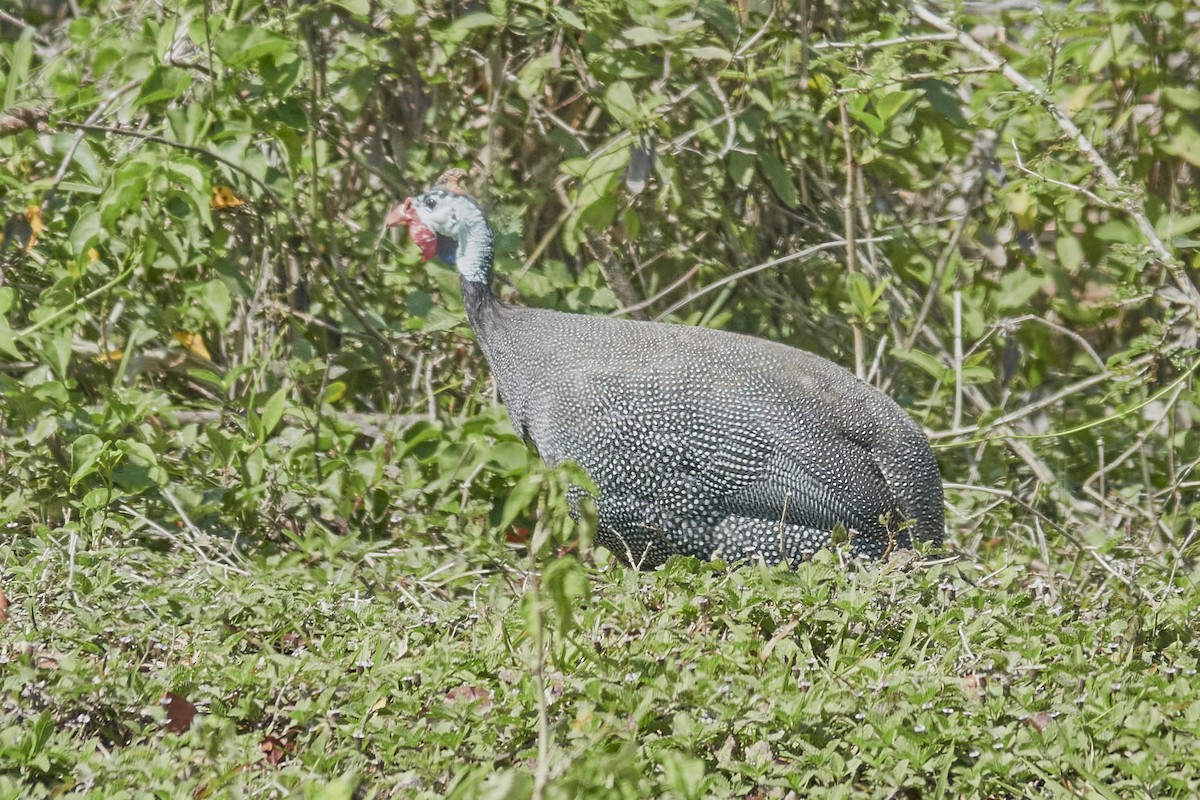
x=448 y=223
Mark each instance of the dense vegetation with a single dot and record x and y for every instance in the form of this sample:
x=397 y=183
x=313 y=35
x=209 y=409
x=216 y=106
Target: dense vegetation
x=265 y=529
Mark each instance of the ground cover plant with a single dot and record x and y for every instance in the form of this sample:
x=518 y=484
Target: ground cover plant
x=264 y=530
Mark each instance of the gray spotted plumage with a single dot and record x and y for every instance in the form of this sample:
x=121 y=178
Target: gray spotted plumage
x=700 y=442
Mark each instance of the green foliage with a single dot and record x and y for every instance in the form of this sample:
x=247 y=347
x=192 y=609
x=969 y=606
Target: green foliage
x=406 y=670
x=249 y=456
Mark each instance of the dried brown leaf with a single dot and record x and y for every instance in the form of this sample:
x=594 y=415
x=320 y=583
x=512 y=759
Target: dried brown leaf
x=180 y=712
x=470 y=694
x=1040 y=721
x=275 y=750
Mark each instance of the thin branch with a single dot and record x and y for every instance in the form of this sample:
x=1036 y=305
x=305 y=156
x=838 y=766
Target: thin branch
x=1088 y=193
x=808 y=251
x=958 y=359
x=1025 y=411
x=1132 y=204
x=1177 y=383
x=849 y=232
x=1010 y=324
x=682 y=279
x=864 y=46
x=17 y=22
x=1136 y=446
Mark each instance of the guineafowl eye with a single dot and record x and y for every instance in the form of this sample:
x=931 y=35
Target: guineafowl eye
x=700 y=442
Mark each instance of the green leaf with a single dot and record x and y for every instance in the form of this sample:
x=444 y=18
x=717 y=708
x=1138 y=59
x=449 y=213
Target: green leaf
x=1016 y=288
x=569 y=18
x=101 y=496
x=253 y=464
x=1070 y=252
x=509 y=458
x=620 y=103
x=565 y=583
x=334 y=392
x=641 y=36
x=944 y=100
x=85 y=231
x=57 y=351
x=19 y=59
x=8 y=343
x=532 y=76
x=709 y=53
x=888 y=104
x=683 y=773
x=506 y=784
x=977 y=374
x=1184 y=142
x=272 y=411
x=780 y=180
x=741 y=168
x=244 y=44
x=521 y=497
x=461 y=28
x=85 y=452
x=1170 y=226
x=1185 y=98
x=872 y=122
x=925 y=361
x=163 y=83
x=213 y=296
x=165 y=38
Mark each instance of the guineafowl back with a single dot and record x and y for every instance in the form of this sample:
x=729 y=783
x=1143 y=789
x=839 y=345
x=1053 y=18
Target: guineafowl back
x=710 y=443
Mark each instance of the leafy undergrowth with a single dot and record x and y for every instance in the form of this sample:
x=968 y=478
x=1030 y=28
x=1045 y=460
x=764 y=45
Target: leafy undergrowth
x=339 y=668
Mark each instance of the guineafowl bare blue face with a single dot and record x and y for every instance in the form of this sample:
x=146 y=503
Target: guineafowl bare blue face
x=700 y=442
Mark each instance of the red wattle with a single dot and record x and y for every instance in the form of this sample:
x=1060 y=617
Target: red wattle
x=422 y=236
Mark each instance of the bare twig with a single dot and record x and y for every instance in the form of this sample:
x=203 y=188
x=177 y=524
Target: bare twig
x=541 y=776
x=1182 y=380
x=1136 y=446
x=191 y=543
x=775 y=262
x=1088 y=193
x=682 y=279
x=849 y=233
x=17 y=22
x=1008 y=325
x=614 y=273
x=958 y=360
x=1025 y=411
x=864 y=46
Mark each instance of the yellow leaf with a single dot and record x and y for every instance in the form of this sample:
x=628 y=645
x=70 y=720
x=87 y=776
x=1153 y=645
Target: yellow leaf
x=193 y=343
x=223 y=197
x=33 y=215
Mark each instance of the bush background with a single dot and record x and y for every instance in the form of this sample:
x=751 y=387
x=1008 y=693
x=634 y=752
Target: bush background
x=252 y=462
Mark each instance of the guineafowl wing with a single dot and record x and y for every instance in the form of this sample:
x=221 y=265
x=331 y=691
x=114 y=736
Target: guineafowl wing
x=784 y=463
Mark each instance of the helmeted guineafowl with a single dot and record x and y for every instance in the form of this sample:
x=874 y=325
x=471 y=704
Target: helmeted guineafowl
x=699 y=441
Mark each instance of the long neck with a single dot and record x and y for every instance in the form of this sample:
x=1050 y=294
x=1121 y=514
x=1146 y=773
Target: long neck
x=475 y=250
x=473 y=257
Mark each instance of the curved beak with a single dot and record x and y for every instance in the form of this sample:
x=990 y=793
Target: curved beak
x=402 y=214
